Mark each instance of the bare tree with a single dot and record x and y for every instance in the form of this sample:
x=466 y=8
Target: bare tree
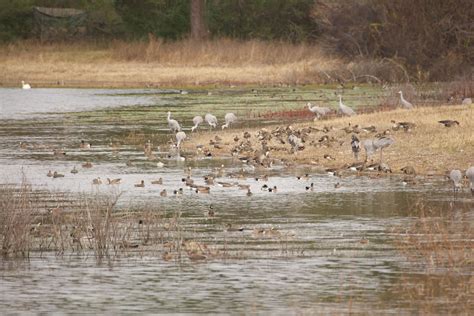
x=198 y=23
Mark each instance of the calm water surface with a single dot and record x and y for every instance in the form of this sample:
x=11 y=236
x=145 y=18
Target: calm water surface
x=320 y=262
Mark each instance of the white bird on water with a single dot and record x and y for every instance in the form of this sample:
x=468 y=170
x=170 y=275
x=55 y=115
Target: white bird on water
x=405 y=103
x=196 y=121
x=229 y=118
x=173 y=124
x=345 y=109
x=211 y=120
x=25 y=86
x=318 y=110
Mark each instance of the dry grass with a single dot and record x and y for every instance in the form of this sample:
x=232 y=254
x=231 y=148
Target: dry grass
x=158 y=63
x=16 y=217
x=429 y=147
x=92 y=225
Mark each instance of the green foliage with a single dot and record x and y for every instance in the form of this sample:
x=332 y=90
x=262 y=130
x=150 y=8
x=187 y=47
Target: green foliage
x=162 y=18
x=263 y=19
x=15 y=19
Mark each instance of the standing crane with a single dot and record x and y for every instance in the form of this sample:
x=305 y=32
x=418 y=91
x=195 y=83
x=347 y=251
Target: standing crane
x=345 y=109
x=407 y=105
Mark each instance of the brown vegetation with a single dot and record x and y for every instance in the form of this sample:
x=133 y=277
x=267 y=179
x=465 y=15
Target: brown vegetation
x=183 y=63
x=432 y=40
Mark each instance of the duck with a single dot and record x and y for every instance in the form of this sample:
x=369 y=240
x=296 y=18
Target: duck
x=310 y=187
x=159 y=181
x=202 y=189
x=87 y=164
x=209 y=180
x=114 y=181
x=303 y=177
x=141 y=184
x=49 y=174
x=74 y=170
x=274 y=189
x=249 y=193
x=225 y=184
x=97 y=180
x=337 y=185
x=163 y=193
x=57 y=175
x=178 y=192
x=187 y=181
x=59 y=152
x=210 y=212
x=167 y=256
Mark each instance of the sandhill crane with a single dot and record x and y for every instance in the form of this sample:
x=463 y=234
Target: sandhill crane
x=173 y=124
x=295 y=142
x=318 y=110
x=196 y=121
x=25 y=86
x=405 y=103
x=345 y=109
x=211 y=120
x=456 y=176
x=470 y=176
x=355 y=144
x=229 y=118
x=180 y=136
x=372 y=145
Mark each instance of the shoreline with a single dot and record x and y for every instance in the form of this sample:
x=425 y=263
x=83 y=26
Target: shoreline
x=429 y=147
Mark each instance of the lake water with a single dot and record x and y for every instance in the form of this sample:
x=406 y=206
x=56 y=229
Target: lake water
x=334 y=252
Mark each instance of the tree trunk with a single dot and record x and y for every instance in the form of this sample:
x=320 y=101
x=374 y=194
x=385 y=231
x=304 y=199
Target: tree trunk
x=198 y=23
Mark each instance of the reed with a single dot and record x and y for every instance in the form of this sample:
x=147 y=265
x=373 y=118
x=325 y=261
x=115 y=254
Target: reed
x=17 y=214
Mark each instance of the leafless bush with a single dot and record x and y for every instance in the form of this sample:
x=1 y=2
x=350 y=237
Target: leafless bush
x=433 y=40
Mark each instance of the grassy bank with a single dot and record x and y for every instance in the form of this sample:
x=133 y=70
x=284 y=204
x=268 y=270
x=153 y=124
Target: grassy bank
x=429 y=146
x=155 y=63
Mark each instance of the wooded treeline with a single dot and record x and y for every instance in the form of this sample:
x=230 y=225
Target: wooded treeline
x=432 y=37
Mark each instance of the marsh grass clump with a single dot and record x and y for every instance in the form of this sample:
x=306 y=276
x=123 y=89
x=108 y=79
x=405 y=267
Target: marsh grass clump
x=17 y=213
x=438 y=242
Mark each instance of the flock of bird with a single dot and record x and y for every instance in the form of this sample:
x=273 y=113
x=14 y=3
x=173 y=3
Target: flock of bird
x=296 y=139
x=210 y=119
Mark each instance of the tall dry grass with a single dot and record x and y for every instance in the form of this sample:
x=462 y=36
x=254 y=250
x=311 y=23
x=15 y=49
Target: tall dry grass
x=185 y=62
x=17 y=213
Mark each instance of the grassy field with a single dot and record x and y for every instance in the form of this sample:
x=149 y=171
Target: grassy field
x=156 y=63
x=429 y=147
